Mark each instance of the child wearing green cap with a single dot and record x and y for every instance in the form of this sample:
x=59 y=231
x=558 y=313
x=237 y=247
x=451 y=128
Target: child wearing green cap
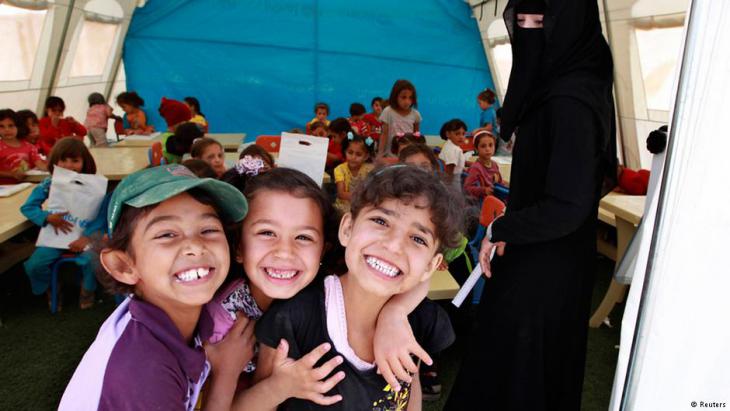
x=167 y=248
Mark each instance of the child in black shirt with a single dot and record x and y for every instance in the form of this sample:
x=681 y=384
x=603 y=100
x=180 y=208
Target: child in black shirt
x=401 y=219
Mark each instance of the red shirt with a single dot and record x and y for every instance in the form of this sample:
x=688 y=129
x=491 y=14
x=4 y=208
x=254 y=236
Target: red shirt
x=23 y=157
x=375 y=127
x=51 y=134
x=336 y=149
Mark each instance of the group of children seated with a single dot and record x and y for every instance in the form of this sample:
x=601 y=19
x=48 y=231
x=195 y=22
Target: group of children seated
x=204 y=250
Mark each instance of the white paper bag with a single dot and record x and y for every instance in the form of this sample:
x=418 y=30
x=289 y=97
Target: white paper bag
x=78 y=194
x=307 y=154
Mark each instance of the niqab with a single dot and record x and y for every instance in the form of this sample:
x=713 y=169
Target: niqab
x=571 y=59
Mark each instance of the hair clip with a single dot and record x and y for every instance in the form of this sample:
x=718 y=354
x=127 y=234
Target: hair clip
x=249 y=165
x=390 y=167
x=417 y=134
x=369 y=141
x=400 y=135
x=350 y=136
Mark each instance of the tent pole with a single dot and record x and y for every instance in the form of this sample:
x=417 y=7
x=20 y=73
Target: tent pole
x=57 y=63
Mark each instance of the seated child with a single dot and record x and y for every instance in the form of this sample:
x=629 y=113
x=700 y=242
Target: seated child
x=483 y=173
x=54 y=126
x=135 y=119
x=198 y=117
x=318 y=129
x=401 y=219
x=403 y=140
x=168 y=249
x=175 y=113
x=257 y=151
x=31 y=132
x=321 y=111
x=175 y=146
x=419 y=155
x=359 y=152
x=210 y=151
x=371 y=119
x=73 y=155
x=97 y=119
x=200 y=168
x=338 y=131
x=358 y=124
x=16 y=156
x=452 y=155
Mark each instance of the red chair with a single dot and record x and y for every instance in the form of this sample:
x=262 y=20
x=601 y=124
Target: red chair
x=467 y=145
x=269 y=143
x=155 y=154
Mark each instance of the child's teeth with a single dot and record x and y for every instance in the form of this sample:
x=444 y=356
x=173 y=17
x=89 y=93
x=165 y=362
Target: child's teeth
x=281 y=274
x=194 y=274
x=383 y=267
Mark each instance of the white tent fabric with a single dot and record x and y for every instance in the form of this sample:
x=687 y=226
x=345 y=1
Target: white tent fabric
x=680 y=355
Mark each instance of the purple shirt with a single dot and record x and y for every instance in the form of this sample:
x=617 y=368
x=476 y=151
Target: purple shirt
x=139 y=361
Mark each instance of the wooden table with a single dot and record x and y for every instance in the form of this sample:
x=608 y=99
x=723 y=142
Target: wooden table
x=12 y=221
x=627 y=211
x=229 y=141
x=114 y=163
x=443 y=286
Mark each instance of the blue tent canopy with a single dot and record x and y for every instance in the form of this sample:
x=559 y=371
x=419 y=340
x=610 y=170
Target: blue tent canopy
x=260 y=66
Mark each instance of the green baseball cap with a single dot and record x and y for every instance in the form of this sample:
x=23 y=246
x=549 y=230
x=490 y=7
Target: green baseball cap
x=157 y=184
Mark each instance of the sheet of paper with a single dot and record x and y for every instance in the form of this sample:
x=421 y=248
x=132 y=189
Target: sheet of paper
x=8 y=190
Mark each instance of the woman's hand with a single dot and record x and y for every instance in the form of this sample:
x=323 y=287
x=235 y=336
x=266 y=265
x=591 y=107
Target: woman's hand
x=300 y=379
x=486 y=252
x=58 y=223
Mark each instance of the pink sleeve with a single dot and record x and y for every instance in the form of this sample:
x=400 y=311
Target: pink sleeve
x=472 y=183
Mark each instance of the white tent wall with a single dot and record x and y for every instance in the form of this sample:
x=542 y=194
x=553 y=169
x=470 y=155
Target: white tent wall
x=679 y=353
x=625 y=18
x=55 y=71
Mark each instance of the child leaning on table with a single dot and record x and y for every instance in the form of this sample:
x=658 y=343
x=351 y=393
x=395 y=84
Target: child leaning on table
x=16 y=155
x=168 y=248
x=71 y=154
x=401 y=219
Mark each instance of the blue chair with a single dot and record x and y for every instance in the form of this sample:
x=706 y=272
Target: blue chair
x=492 y=207
x=65 y=258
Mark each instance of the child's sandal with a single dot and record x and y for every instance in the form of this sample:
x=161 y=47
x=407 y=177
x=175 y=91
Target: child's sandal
x=86 y=299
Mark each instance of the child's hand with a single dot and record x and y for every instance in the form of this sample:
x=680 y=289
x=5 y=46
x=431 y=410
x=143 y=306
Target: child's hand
x=393 y=345
x=488 y=190
x=299 y=379
x=230 y=356
x=58 y=223
x=18 y=174
x=79 y=245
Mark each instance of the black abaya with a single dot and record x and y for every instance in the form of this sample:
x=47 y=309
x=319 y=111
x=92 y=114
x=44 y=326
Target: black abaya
x=529 y=352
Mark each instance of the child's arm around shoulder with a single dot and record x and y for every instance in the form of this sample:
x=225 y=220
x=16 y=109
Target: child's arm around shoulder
x=394 y=341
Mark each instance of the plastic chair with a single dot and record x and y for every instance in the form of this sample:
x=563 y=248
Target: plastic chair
x=65 y=258
x=154 y=154
x=467 y=145
x=269 y=143
x=492 y=207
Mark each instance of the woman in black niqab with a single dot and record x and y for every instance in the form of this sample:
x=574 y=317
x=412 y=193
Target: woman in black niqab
x=529 y=349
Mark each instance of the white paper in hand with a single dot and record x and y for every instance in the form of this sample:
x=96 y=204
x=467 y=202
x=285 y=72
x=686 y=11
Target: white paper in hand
x=78 y=194
x=307 y=154
x=470 y=282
